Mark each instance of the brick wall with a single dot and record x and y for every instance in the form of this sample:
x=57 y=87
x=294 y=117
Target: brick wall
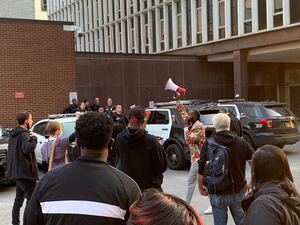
x=137 y=79
x=36 y=58
x=23 y=9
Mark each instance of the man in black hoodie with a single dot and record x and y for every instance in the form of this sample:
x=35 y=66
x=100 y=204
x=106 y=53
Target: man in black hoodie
x=21 y=162
x=139 y=154
x=239 y=152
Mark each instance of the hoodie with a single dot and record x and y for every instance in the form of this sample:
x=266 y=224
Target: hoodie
x=140 y=156
x=271 y=204
x=239 y=150
x=21 y=161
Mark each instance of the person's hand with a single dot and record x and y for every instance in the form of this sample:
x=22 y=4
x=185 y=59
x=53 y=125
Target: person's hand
x=203 y=190
x=176 y=96
x=32 y=135
x=248 y=188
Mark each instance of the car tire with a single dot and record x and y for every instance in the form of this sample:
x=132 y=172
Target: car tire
x=175 y=157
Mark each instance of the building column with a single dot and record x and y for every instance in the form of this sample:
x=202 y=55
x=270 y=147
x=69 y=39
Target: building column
x=241 y=16
x=270 y=10
x=216 y=19
x=254 y=6
x=240 y=67
x=286 y=13
x=204 y=21
x=227 y=19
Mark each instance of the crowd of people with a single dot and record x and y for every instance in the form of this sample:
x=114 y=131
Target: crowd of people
x=117 y=174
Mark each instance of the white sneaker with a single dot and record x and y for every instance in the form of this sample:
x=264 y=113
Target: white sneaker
x=208 y=210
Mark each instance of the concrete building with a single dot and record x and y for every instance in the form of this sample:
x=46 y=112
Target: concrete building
x=259 y=40
x=24 y=9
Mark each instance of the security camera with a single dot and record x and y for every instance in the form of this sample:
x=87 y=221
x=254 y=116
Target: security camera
x=79 y=33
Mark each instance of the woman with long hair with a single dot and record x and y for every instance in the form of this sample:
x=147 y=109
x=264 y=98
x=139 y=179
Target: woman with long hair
x=56 y=143
x=158 y=208
x=274 y=199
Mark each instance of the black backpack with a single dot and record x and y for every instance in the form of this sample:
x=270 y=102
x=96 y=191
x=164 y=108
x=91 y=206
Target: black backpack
x=217 y=173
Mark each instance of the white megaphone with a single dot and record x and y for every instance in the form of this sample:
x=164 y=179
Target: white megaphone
x=174 y=87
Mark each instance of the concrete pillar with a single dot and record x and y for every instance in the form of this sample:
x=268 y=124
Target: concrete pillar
x=240 y=67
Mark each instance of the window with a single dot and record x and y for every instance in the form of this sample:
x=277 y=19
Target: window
x=162 y=31
x=221 y=19
x=69 y=128
x=210 y=29
x=40 y=128
x=199 y=20
x=170 y=24
x=277 y=6
x=179 y=24
x=278 y=13
x=132 y=33
x=234 y=23
x=44 y=5
x=158 y=117
x=248 y=17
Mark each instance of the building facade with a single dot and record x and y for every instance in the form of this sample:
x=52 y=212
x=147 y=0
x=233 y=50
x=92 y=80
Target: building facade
x=34 y=75
x=156 y=26
x=258 y=39
x=24 y=9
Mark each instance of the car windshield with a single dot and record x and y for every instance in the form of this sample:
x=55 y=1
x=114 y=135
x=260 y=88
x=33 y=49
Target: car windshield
x=207 y=115
x=278 y=110
x=69 y=128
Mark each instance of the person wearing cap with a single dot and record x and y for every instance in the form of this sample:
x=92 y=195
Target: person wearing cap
x=139 y=154
x=235 y=123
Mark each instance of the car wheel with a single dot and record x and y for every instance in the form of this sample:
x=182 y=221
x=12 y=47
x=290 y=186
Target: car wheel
x=175 y=157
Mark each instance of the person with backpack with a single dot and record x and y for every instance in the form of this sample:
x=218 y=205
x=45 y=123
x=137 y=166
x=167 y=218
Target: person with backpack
x=221 y=173
x=274 y=199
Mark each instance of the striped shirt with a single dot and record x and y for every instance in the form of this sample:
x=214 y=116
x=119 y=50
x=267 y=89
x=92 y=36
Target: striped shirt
x=85 y=192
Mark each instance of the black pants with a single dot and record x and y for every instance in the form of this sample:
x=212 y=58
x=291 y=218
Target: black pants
x=24 y=189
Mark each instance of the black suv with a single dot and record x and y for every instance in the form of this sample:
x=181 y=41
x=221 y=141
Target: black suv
x=264 y=122
x=3 y=153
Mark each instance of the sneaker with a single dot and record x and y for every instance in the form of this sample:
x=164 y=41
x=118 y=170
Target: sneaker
x=208 y=210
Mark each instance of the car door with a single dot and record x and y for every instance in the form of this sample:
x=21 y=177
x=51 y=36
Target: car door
x=40 y=130
x=160 y=123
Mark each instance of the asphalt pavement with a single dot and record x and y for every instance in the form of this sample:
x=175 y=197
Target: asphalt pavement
x=174 y=183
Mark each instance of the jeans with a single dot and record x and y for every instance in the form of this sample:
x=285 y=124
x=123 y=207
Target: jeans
x=220 y=203
x=24 y=189
x=191 y=182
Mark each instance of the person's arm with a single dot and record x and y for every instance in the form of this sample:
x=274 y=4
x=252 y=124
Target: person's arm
x=159 y=158
x=201 y=166
x=28 y=143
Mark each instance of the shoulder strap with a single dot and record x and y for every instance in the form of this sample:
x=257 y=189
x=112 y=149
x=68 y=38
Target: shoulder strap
x=52 y=151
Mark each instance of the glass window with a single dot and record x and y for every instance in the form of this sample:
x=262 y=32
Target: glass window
x=199 y=20
x=40 y=128
x=248 y=10
x=277 y=111
x=158 y=117
x=44 y=5
x=277 y=6
x=69 y=128
x=252 y=111
x=198 y=3
x=221 y=14
x=2 y=132
x=234 y=23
